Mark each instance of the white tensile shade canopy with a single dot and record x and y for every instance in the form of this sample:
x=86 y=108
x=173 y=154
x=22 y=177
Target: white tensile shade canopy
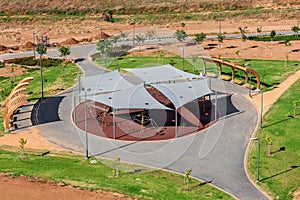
x=161 y=73
x=183 y=92
x=135 y=97
x=105 y=82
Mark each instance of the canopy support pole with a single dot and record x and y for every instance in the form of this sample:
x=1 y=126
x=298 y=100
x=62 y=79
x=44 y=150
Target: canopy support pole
x=74 y=110
x=176 y=127
x=114 y=122
x=216 y=104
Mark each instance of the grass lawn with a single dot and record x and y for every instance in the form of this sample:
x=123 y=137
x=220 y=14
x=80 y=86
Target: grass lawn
x=272 y=72
x=135 y=181
x=144 y=61
x=280 y=173
x=56 y=79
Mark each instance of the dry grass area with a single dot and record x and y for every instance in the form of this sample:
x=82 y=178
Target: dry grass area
x=64 y=20
x=133 y=6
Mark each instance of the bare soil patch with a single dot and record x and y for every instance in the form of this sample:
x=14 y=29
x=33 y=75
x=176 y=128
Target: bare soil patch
x=31 y=189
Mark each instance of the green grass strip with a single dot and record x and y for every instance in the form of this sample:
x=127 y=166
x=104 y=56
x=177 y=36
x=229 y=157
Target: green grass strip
x=280 y=173
x=135 y=181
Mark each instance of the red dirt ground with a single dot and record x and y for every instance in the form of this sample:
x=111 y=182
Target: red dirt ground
x=29 y=189
x=128 y=122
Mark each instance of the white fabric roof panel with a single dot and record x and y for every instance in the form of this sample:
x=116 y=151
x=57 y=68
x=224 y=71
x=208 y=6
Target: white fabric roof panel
x=181 y=93
x=160 y=73
x=105 y=82
x=136 y=97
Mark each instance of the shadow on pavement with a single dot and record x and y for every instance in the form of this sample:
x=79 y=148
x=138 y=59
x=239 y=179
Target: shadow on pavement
x=46 y=111
x=226 y=107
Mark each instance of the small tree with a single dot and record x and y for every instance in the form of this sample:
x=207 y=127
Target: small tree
x=272 y=35
x=286 y=60
x=194 y=60
x=269 y=145
x=64 y=51
x=117 y=165
x=286 y=42
x=150 y=34
x=140 y=39
x=115 y=39
x=220 y=39
x=243 y=31
x=296 y=29
x=180 y=35
x=187 y=179
x=237 y=53
x=199 y=37
x=160 y=57
x=295 y=104
x=22 y=143
x=110 y=14
x=244 y=37
x=259 y=29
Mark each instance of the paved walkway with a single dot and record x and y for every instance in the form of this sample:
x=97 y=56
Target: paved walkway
x=215 y=155
x=271 y=96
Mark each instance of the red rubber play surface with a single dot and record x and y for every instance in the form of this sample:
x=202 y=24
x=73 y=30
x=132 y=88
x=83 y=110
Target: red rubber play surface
x=145 y=125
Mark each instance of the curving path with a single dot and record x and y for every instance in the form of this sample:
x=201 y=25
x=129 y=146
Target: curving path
x=215 y=155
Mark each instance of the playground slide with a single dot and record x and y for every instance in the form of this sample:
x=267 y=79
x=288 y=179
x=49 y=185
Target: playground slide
x=189 y=116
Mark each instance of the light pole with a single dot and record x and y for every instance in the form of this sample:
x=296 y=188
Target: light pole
x=258 y=158
x=261 y=108
x=182 y=58
x=132 y=23
x=100 y=27
x=41 y=49
x=220 y=21
x=34 y=33
x=249 y=64
x=85 y=123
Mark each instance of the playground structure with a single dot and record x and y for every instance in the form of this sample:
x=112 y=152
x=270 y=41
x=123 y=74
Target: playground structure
x=16 y=99
x=233 y=66
x=168 y=103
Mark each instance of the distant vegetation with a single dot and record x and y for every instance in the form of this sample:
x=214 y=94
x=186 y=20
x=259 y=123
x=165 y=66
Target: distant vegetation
x=276 y=38
x=147 y=10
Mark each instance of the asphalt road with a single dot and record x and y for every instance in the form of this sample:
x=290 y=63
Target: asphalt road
x=215 y=155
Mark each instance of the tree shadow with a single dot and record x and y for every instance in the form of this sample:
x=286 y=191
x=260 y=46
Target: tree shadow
x=279 y=150
x=278 y=122
x=200 y=184
x=283 y=172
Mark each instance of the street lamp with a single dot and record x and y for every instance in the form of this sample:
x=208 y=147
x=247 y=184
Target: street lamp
x=85 y=123
x=220 y=21
x=249 y=64
x=132 y=23
x=258 y=157
x=34 y=33
x=261 y=106
x=182 y=49
x=100 y=27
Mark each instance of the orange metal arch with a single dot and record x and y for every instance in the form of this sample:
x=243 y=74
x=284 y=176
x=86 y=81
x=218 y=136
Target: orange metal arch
x=233 y=67
x=16 y=99
x=14 y=104
x=251 y=71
